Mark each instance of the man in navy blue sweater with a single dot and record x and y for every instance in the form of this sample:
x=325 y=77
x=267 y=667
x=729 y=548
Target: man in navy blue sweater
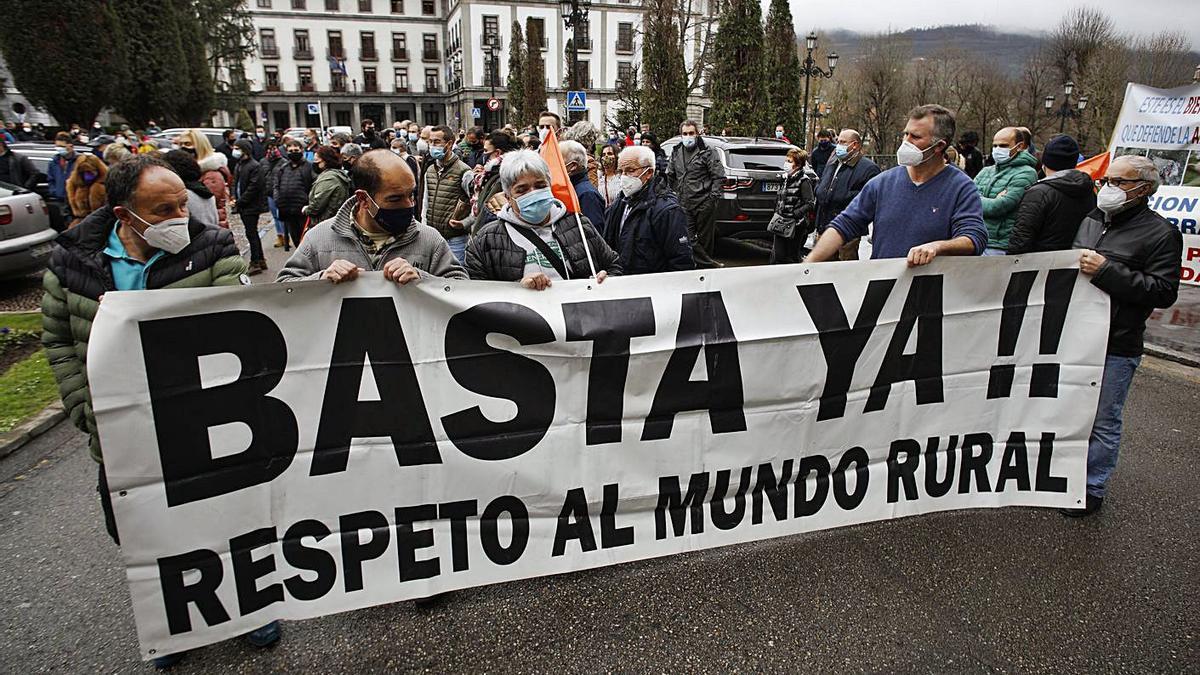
x=920 y=209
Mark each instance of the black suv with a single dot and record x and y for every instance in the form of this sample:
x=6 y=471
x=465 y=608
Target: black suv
x=753 y=174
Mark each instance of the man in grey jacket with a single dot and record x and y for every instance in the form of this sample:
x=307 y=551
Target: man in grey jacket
x=695 y=173
x=375 y=231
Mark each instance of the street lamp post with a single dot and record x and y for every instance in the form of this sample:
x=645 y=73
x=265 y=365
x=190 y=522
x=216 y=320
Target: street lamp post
x=574 y=14
x=811 y=70
x=1066 y=110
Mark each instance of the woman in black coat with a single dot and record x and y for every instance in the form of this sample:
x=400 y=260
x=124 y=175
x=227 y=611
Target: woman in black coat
x=795 y=203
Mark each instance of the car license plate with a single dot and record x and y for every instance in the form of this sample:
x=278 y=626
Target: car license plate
x=41 y=250
x=770 y=187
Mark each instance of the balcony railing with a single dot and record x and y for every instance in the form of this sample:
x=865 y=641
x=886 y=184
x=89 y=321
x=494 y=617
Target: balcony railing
x=336 y=52
x=371 y=87
x=402 y=89
x=431 y=55
x=268 y=52
x=306 y=87
x=337 y=85
x=302 y=54
x=432 y=88
x=624 y=47
x=272 y=87
x=584 y=44
x=366 y=54
x=399 y=54
x=584 y=83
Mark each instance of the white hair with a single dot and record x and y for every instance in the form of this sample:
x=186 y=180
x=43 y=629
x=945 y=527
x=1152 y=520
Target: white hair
x=572 y=151
x=520 y=163
x=583 y=131
x=1144 y=168
x=643 y=155
x=352 y=150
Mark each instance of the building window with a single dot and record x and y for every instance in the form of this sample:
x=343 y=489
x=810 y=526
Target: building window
x=428 y=8
x=331 y=6
x=264 y=4
x=399 y=47
x=624 y=71
x=429 y=50
x=266 y=43
x=370 y=80
x=304 y=74
x=431 y=80
x=299 y=4
x=402 y=80
x=271 y=78
x=538 y=27
x=585 y=75
x=490 y=73
x=303 y=48
x=337 y=81
x=397 y=6
x=625 y=37
x=583 y=37
x=491 y=29
x=335 y=45
x=364 y=6
x=368 y=47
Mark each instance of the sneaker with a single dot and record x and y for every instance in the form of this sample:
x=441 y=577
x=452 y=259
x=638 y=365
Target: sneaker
x=1092 y=505
x=165 y=662
x=265 y=636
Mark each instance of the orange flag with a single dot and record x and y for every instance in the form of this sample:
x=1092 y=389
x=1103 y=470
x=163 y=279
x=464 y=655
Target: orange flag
x=1095 y=166
x=560 y=182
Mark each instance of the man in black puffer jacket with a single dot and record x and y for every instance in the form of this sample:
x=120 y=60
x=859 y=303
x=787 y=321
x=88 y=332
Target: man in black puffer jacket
x=1051 y=210
x=646 y=226
x=250 y=193
x=1133 y=254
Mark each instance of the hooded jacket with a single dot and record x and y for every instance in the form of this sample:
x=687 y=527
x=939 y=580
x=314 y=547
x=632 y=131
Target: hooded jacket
x=1140 y=273
x=695 y=176
x=443 y=192
x=79 y=273
x=214 y=173
x=338 y=238
x=1051 y=211
x=1013 y=178
x=492 y=255
x=329 y=191
x=84 y=196
x=654 y=236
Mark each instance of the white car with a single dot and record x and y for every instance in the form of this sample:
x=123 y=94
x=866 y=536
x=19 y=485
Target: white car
x=25 y=233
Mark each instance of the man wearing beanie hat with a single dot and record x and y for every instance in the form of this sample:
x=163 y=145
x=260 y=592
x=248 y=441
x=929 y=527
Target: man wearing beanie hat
x=1052 y=208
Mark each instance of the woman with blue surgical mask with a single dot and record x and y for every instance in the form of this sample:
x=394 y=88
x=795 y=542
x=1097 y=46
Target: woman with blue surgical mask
x=534 y=239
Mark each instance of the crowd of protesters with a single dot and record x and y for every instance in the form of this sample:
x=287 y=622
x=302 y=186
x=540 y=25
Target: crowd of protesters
x=416 y=203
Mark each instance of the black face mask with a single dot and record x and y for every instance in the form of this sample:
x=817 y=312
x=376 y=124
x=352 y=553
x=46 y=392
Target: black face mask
x=394 y=221
x=190 y=151
x=296 y=156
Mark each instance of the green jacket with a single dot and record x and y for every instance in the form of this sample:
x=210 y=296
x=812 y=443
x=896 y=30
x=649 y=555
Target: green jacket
x=443 y=192
x=79 y=274
x=328 y=192
x=1012 y=178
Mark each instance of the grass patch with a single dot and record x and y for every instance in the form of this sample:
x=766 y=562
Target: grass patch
x=21 y=321
x=25 y=388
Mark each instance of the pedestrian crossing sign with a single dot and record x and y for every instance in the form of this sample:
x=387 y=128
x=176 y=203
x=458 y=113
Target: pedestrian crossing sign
x=576 y=101
x=475 y=112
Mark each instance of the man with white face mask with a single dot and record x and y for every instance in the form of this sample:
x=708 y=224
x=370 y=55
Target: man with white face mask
x=646 y=225
x=919 y=209
x=1131 y=253
x=142 y=239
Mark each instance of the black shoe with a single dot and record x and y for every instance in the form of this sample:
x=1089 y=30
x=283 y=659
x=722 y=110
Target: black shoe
x=1092 y=505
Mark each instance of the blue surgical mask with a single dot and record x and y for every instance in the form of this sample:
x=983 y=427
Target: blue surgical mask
x=1001 y=154
x=778 y=133
x=535 y=205
x=841 y=150
x=412 y=137
x=689 y=141
x=437 y=153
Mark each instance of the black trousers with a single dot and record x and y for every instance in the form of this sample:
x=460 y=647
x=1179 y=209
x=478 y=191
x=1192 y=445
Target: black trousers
x=294 y=223
x=786 y=250
x=250 y=223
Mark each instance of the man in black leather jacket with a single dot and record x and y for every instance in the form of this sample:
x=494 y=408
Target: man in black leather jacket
x=1133 y=254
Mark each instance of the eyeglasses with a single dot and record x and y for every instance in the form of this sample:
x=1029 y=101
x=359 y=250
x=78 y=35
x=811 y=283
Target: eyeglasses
x=1117 y=182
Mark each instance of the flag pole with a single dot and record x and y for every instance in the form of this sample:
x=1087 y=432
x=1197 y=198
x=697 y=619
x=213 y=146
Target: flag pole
x=587 y=250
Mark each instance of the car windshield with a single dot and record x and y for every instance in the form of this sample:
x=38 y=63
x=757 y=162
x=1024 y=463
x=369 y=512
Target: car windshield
x=757 y=159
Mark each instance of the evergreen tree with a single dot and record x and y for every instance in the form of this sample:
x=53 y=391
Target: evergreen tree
x=535 y=73
x=782 y=65
x=42 y=50
x=516 y=77
x=157 y=77
x=738 y=90
x=194 y=106
x=664 y=75
x=228 y=35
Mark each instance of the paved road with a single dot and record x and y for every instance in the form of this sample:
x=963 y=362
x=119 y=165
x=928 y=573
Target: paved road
x=1014 y=589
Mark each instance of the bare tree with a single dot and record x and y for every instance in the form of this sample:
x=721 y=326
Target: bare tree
x=877 y=90
x=1162 y=60
x=1036 y=81
x=697 y=21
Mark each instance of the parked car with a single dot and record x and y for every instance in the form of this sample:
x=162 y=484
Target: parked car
x=215 y=136
x=25 y=232
x=754 y=171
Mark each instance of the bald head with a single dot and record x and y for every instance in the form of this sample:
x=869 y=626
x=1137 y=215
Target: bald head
x=1011 y=138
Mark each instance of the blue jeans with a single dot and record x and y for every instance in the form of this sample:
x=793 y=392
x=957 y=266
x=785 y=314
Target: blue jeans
x=458 y=246
x=279 y=229
x=994 y=251
x=1106 y=431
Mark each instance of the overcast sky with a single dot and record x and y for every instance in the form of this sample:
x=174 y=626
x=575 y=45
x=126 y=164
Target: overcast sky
x=1140 y=16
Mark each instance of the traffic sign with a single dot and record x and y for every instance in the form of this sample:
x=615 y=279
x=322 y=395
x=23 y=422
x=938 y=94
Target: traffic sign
x=314 y=109
x=475 y=112
x=493 y=104
x=576 y=101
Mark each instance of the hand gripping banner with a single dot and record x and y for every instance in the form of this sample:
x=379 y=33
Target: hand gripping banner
x=292 y=450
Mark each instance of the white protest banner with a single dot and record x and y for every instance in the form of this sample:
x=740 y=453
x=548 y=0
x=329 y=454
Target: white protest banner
x=291 y=450
x=1164 y=125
